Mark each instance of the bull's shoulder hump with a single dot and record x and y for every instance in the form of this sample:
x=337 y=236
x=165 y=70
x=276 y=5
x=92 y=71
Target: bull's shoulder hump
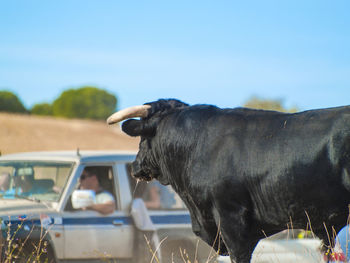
x=331 y=114
x=321 y=113
x=327 y=111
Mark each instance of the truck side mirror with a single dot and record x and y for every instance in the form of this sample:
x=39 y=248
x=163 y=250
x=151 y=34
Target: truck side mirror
x=141 y=216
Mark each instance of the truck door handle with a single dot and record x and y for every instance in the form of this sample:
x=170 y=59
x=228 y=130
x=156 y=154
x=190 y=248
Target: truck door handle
x=117 y=222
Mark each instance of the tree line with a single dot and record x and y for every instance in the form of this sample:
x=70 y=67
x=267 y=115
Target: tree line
x=85 y=103
x=93 y=103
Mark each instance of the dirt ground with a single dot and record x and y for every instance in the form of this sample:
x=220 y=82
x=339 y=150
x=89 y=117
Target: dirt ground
x=25 y=133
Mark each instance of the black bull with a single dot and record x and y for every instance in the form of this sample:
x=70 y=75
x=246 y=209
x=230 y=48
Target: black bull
x=246 y=172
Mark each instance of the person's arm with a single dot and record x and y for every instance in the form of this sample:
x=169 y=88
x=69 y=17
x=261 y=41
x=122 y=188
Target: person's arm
x=104 y=208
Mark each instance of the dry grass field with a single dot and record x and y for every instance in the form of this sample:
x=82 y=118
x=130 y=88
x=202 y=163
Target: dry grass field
x=23 y=133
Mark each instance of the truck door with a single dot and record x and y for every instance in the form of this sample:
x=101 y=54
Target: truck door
x=91 y=235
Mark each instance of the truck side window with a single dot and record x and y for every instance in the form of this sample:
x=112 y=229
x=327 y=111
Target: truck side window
x=105 y=179
x=155 y=195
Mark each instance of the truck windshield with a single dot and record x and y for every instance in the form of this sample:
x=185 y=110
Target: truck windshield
x=34 y=180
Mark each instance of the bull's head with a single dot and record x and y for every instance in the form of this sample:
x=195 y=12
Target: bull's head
x=151 y=160
x=146 y=166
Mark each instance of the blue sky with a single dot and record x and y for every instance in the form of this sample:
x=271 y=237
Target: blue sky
x=214 y=52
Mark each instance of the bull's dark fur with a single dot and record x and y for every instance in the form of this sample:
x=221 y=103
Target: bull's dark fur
x=248 y=172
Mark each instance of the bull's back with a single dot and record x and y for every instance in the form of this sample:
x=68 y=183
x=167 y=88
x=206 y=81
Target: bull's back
x=286 y=163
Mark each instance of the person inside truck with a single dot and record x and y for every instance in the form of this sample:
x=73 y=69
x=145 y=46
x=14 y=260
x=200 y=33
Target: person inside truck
x=4 y=182
x=152 y=196
x=157 y=196
x=28 y=185
x=105 y=202
x=6 y=190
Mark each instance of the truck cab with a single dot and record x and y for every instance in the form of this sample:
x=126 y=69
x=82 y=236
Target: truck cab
x=41 y=216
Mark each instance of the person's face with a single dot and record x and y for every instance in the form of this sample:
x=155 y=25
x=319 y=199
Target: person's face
x=87 y=181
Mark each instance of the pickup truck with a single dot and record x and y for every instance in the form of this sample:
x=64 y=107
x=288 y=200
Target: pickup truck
x=45 y=225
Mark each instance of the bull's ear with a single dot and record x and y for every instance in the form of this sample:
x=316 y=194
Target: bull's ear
x=132 y=127
x=135 y=127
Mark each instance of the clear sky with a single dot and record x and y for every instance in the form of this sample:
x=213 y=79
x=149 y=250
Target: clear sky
x=215 y=52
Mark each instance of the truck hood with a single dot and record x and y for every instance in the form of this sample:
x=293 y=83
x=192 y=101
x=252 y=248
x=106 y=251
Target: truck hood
x=20 y=207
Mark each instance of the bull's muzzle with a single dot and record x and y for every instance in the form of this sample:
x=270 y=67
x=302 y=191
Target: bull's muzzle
x=139 y=173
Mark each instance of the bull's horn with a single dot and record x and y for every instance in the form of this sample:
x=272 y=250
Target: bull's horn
x=132 y=112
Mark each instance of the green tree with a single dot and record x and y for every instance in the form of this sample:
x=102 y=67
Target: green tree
x=267 y=104
x=86 y=102
x=9 y=102
x=42 y=109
